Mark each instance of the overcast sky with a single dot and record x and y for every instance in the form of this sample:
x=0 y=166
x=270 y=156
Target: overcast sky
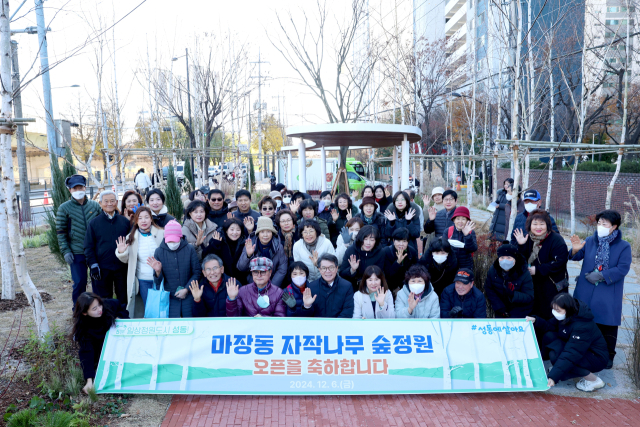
x=167 y=27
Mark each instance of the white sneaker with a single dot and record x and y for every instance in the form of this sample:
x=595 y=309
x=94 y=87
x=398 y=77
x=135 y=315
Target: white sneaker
x=589 y=386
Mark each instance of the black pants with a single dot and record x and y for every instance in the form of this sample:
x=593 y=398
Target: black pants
x=110 y=281
x=589 y=363
x=610 y=334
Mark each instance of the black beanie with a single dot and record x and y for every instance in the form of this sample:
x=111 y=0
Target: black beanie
x=508 y=250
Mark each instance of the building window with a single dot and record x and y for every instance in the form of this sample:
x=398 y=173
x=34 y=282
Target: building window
x=613 y=9
x=481 y=19
x=611 y=22
x=612 y=60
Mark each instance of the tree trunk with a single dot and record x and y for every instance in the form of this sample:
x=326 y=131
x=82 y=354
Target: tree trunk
x=8 y=285
x=573 y=193
x=8 y=200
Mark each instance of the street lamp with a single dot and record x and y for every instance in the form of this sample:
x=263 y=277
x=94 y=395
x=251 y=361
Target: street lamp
x=186 y=55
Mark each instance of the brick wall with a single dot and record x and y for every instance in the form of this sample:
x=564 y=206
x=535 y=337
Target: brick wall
x=591 y=190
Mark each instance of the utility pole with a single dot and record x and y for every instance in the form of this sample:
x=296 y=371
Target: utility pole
x=118 y=137
x=262 y=159
x=46 y=82
x=186 y=50
x=21 y=150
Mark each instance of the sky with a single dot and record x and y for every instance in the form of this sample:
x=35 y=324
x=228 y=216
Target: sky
x=165 y=28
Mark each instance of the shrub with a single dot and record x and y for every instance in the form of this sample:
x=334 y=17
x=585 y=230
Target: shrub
x=55 y=419
x=172 y=193
x=23 y=418
x=629 y=167
x=188 y=173
x=596 y=167
x=632 y=223
x=633 y=354
x=537 y=164
x=483 y=259
x=477 y=186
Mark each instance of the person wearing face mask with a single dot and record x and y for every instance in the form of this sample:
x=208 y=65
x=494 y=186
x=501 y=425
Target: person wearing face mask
x=265 y=243
x=176 y=263
x=72 y=220
x=398 y=258
x=439 y=221
x=461 y=299
x=134 y=250
x=572 y=342
x=370 y=215
x=229 y=248
x=373 y=300
x=330 y=295
x=312 y=245
x=462 y=238
x=197 y=229
x=366 y=251
x=606 y=260
x=155 y=201
x=210 y=294
x=347 y=237
x=287 y=195
x=441 y=262
x=292 y=295
x=509 y=287
x=500 y=221
x=403 y=214
x=261 y=298
x=277 y=198
x=532 y=201
x=417 y=300
x=546 y=255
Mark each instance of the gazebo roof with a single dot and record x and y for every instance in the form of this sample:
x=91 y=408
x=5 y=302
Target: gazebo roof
x=372 y=135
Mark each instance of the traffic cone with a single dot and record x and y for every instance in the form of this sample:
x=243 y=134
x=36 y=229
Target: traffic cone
x=46 y=198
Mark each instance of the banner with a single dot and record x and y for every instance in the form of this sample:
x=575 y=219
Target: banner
x=319 y=356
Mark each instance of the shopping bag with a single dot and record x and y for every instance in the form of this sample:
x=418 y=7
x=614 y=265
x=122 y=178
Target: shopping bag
x=157 y=306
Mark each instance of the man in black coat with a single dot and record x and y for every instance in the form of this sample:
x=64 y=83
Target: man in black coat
x=219 y=208
x=330 y=295
x=509 y=287
x=462 y=300
x=440 y=221
x=210 y=295
x=100 y=242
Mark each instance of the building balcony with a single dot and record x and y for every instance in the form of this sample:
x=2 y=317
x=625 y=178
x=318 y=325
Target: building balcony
x=453 y=6
x=456 y=22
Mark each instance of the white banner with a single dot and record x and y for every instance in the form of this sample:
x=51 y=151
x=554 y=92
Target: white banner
x=319 y=356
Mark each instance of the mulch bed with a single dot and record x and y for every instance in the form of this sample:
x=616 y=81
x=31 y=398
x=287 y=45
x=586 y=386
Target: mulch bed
x=21 y=301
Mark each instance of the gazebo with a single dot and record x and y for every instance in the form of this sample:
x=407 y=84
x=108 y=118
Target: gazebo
x=354 y=136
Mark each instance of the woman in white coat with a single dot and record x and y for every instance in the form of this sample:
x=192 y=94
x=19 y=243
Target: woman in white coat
x=373 y=300
x=140 y=243
x=312 y=245
x=347 y=237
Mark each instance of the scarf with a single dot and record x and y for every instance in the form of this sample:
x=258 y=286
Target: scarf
x=311 y=246
x=368 y=221
x=264 y=250
x=602 y=254
x=288 y=243
x=537 y=244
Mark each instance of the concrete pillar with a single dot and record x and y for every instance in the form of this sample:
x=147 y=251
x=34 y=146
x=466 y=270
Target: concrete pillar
x=289 y=171
x=395 y=170
x=405 y=163
x=302 y=166
x=323 y=167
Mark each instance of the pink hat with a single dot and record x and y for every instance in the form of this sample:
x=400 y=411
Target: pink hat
x=172 y=231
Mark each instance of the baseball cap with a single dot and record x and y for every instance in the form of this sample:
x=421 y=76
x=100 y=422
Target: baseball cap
x=531 y=195
x=464 y=275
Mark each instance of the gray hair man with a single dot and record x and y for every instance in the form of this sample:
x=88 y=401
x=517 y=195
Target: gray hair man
x=330 y=295
x=210 y=294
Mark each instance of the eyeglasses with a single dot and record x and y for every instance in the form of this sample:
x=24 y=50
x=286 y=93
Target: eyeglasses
x=211 y=270
x=284 y=221
x=449 y=199
x=265 y=208
x=259 y=272
x=328 y=269
x=216 y=200
x=308 y=232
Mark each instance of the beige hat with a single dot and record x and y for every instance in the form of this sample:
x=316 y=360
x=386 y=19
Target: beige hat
x=437 y=190
x=275 y=194
x=265 y=223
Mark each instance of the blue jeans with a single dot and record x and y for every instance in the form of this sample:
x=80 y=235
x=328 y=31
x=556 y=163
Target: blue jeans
x=144 y=286
x=79 y=276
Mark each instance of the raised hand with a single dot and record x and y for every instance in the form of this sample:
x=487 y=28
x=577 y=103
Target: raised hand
x=426 y=200
x=576 y=243
x=217 y=236
x=232 y=289
x=294 y=206
x=354 y=194
x=314 y=258
x=432 y=213
x=348 y=214
x=520 y=237
x=122 y=244
x=335 y=215
x=200 y=237
x=196 y=290
x=468 y=228
x=401 y=256
x=412 y=303
x=249 y=247
x=410 y=214
x=354 y=263
x=155 y=264
x=390 y=216
x=249 y=223
x=346 y=236
x=387 y=192
x=229 y=215
x=380 y=297
x=307 y=299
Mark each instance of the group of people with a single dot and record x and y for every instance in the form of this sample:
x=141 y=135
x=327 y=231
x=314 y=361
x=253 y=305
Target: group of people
x=361 y=256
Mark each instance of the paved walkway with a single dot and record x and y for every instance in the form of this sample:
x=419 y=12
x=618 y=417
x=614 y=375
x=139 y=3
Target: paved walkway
x=493 y=409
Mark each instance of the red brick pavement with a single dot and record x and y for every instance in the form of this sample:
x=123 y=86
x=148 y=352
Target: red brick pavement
x=491 y=409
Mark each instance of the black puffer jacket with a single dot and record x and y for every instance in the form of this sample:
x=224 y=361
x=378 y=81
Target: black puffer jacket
x=219 y=217
x=551 y=268
x=212 y=304
x=412 y=225
x=179 y=268
x=162 y=218
x=441 y=274
x=579 y=341
x=229 y=254
x=464 y=255
x=442 y=222
x=100 y=240
x=510 y=292
x=394 y=272
x=367 y=258
x=498 y=214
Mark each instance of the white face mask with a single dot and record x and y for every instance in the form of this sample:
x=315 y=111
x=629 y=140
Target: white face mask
x=558 y=315
x=299 y=280
x=603 y=231
x=506 y=264
x=440 y=258
x=416 y=288
x=530 y=207
x=509 y=196
x=173 y=245
x=78 y=195
x=278 y=203
x=286 y=199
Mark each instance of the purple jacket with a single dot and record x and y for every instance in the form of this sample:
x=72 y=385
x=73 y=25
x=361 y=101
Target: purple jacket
x=246 y=304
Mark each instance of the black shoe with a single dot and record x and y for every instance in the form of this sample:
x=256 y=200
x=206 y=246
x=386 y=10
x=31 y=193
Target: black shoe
x=609 y=364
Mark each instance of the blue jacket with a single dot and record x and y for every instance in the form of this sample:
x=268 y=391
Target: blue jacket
x=212 y=304
x=520 y=223
x=334 y=301
x=605 y=299
x=473 y=304
x=299 y=310
x=465 y=260
x=442 y=222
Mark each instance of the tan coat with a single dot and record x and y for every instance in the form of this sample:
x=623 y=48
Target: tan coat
x=135 y=305
x=190 y=232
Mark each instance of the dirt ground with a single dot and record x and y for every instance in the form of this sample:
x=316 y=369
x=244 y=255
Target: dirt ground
x=55 y=279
